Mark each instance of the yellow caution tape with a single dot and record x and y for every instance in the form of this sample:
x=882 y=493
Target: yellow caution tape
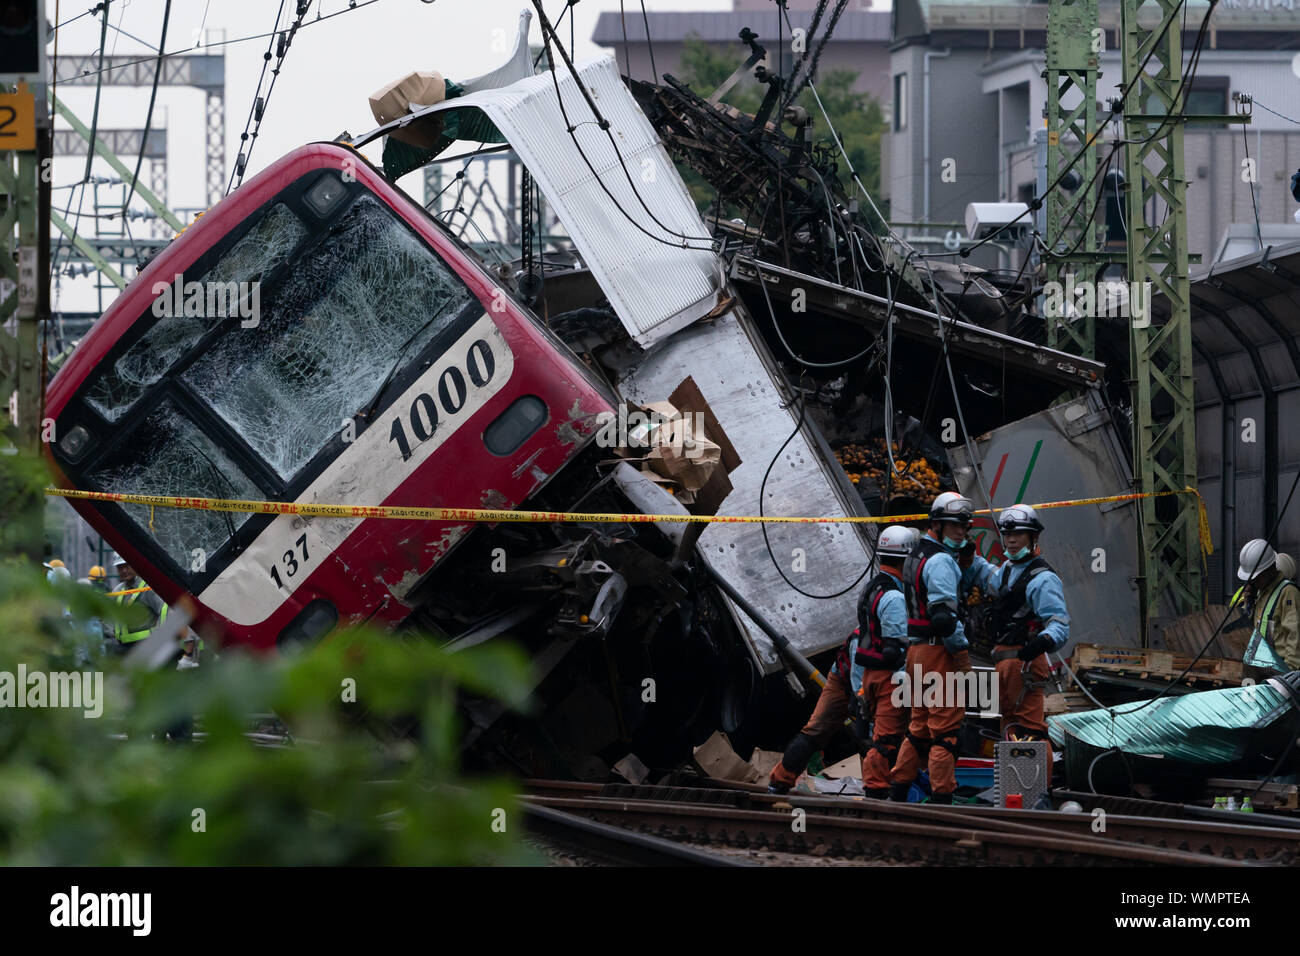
x=487 y=515
x=132 y=591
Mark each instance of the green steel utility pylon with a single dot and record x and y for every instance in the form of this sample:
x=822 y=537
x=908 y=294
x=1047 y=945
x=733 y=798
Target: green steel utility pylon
x=1074 y=40
x=1164 y=423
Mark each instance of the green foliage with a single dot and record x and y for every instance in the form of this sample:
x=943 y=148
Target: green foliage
x=858 y=118
x=370 y=782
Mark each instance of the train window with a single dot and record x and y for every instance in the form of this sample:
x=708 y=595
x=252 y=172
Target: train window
x=167 y=454
x=512 y=427
x=142 y=365
x=368 y=297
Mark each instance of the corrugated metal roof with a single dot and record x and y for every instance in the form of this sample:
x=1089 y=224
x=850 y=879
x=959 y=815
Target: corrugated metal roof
x=656 y=281
x=865 y=26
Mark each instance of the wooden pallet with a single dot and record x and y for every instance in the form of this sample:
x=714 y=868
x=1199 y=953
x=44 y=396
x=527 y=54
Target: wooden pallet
x=1152 y=664
x=1070 y=702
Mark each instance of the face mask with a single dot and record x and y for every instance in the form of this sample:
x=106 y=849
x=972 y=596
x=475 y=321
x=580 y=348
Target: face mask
x=1019 y=555
x=952 y=545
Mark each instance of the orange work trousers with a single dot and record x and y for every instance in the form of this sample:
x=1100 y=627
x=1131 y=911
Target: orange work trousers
x=1019 y=703
x=930 y=728
x=888 y=723
x=829 y=714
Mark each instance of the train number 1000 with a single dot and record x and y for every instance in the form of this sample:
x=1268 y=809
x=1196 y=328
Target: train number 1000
x=452 y=395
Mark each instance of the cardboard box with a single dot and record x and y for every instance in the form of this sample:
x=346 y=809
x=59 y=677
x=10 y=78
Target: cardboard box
x=394 y=100
x=716 y=759
x=695 y=453
x=765 y=761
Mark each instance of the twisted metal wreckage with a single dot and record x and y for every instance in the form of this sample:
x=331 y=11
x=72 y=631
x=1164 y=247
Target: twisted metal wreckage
x=838 y=372
x=786 y=318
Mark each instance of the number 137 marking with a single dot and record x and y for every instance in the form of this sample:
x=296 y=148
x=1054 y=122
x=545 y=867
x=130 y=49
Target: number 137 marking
x=290 y=561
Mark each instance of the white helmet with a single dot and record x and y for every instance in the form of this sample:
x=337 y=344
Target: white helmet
x=1020 y=518
x=1256 y=556
x=1286 y=565
x=951 y=506
x=897 y=541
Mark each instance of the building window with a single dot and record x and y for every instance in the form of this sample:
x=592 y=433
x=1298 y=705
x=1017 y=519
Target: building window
x=900 y=102
x=1209 y=94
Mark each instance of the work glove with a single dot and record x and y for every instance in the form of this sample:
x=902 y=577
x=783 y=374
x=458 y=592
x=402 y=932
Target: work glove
x=954 y=644
x=966 y=554
x=894 y=655
x=1035 y=647
x=962 y=660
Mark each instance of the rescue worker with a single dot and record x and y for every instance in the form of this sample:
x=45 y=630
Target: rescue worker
x=1029 y=619
x=846 y=676
x=1274 y=644
x=931 y=581
x=145 y=610
x=881 y=651
x=97 y=580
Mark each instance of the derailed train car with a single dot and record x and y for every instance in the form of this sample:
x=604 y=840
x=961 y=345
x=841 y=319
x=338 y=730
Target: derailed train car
x=362 y=355
x=385 y=364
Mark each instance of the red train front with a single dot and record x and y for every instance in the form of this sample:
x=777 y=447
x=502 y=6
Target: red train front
x=316 y=337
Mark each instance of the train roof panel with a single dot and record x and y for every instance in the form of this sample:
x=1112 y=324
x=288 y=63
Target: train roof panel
x=627 y=210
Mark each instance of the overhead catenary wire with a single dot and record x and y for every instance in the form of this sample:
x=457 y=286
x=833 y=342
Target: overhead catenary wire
x=548 y=36
x=266 y=59
x=1275 y=112
x=353 y=6
x=153 y=96
x=650 y=43
x=810 y=64
x=258 y=111
x=1254 y=204
x=1184 y=88
x=99 y=87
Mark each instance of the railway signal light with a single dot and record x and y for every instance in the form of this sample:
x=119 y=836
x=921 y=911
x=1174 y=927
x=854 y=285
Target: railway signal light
x=22 y=41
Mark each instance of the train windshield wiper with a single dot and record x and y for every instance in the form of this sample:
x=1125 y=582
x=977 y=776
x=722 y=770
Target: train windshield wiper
x=230 y=489
x=397 y=360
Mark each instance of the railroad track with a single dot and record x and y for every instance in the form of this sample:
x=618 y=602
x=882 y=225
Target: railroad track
x=614 y=846
x=720 y=813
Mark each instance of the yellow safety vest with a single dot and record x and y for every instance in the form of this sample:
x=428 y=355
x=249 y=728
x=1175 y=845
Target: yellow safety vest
x=125 y=636
x=1259 y=650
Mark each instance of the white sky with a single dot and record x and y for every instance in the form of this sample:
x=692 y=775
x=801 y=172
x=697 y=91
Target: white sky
x=329 y=72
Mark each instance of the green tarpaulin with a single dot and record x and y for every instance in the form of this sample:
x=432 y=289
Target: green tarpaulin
x=468 y=124
x=1204 y=728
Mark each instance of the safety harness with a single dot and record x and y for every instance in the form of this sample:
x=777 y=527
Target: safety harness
x=1013 y=618
x=918 y=606
x=872 y=653
x=1015 y=622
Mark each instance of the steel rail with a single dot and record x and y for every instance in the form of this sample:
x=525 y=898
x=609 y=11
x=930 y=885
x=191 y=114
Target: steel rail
x=874 y=836
x=1228 y=840
x=614 y=844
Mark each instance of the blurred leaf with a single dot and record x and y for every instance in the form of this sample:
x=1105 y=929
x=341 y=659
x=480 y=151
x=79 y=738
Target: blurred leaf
x=375 y=782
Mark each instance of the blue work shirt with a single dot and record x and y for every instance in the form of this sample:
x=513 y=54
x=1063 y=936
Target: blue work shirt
x=1046 y=594
x=943 y=579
